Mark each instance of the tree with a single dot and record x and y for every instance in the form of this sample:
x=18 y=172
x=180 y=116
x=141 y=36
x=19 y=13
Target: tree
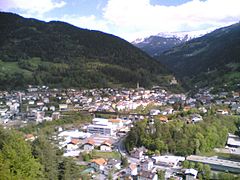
x=206 y=171
x=110 y=175
x=199 y=167
x=161 y=175
x=47 y=155
x=68 y=170
x=191 y=165
x=124 y=162
x=16 y=160
x=185 y=164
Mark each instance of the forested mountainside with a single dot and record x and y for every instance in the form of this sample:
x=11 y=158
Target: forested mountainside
x=211 y=60
x=62 y=55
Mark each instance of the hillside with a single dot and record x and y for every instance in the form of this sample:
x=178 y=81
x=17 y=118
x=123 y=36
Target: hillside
x=61 y=55
x=211 y=60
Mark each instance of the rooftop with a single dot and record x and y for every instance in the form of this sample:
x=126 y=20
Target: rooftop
x=214 y=161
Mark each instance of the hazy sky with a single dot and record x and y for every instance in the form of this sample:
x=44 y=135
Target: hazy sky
x=131 y=19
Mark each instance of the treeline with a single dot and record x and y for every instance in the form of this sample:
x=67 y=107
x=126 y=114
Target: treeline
x=177 y=137
x=36 y=160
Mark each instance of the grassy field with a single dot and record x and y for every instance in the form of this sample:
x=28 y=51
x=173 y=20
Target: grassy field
x=12 y=67
x=106 y=155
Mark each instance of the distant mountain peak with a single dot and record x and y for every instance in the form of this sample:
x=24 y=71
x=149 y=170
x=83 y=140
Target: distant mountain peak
x=155 y=45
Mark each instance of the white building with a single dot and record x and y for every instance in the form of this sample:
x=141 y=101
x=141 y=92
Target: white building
x=147 y=165
x=170 y=161
x=106 y=146
x=104 y=129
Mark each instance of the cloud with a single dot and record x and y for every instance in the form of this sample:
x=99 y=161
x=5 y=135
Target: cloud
x=31 y=7
x=136 y=17
x=132 y=19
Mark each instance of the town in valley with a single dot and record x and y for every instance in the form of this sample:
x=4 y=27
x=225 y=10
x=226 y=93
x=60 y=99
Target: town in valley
x=91 y=126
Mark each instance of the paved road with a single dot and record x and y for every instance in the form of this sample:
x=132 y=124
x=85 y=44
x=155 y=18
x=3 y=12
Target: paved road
x=122 y=150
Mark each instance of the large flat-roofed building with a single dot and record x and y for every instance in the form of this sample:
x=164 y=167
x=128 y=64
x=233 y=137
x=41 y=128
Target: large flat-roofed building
x=233 y=141
x=104 y=129
x=216 y=163
x=170 y=161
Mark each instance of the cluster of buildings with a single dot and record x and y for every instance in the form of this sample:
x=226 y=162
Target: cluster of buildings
x=38 y=104
x=43 y=104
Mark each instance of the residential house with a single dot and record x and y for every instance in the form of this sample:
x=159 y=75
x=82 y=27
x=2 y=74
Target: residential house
x=138 y=152
x=196 y=118
x=29 y=137
x=168 y=161
x=202 y=109
x=117 y=122
x=163 y=119
x=114 y=164
x=89 y=145
x=147 y=165
x=98 y=164
x=132 y=170
x=106 y=146
x=233 y=141
x=147 y=175
x=63 y=107
x=73 y=145
x=222 y=112
x=154 y=112
x=55 y=115
x=52 y=108
x=186 y=108
x=191 y=174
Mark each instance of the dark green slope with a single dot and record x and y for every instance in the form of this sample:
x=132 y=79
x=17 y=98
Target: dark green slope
x=211 y=60
x=59 y=54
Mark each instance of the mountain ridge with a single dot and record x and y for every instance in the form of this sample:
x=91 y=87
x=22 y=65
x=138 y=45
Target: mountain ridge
x=210 y=60
x=58 y=53
x=155 y=45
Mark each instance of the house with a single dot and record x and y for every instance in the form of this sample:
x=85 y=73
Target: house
x=55 y=115
x=138 y=152
x=106 y=146
x=3 y=111
x=98 y=164
x=117 y=122
x=163 y=119
x=190 y=174
x=196 y=118
x=132 y=170
x=168 y=161
x=147 y=175
x=154 y=112
x=236 y=108
x=89 y=145
x=73 y=145
x=31 y=102
x=52 y=108
x=114 y=164
x=29 y=137
x=202 y=109
x=40 y=103
x=186 y=108
x=63 y=107
x=39 y=115
x=222 y=112
x=147 y=165
x=233 y=141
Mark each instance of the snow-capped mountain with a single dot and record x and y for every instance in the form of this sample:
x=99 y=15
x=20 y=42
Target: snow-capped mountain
x=157 y=44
